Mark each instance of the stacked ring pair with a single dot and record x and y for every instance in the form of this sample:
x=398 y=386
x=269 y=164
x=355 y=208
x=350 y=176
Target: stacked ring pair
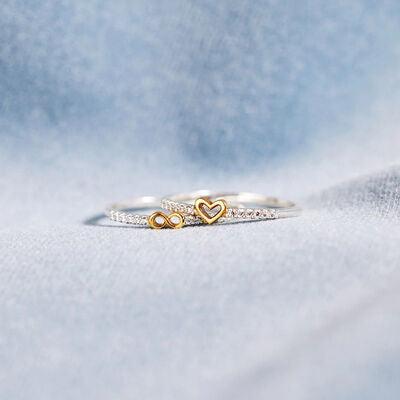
x=202 y=207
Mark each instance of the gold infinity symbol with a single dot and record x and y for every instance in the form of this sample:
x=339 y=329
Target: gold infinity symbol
x=165 y=221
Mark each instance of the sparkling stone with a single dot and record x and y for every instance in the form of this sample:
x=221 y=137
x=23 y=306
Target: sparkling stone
x=265 y=214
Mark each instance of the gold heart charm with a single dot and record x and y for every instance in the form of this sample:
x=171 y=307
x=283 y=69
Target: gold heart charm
x=166 y=220
x=203 y=208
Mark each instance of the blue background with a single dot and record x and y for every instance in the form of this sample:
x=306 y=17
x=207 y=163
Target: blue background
x=103 y=100
x=198 y=83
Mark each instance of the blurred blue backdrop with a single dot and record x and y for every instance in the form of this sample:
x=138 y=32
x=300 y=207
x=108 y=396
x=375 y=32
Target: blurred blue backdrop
x=233 y=83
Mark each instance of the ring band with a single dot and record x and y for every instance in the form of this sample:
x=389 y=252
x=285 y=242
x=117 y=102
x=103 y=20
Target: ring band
x=242 y=206
x=201 y=207
x=123 y=213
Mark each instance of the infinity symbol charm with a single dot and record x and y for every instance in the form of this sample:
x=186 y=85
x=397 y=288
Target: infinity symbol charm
x=166 y=220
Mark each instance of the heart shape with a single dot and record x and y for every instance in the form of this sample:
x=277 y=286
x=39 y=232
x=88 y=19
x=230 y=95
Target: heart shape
x=166 y=220
x=203 y=208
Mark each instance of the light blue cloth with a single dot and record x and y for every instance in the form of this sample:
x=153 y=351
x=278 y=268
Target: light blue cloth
x=100 y=101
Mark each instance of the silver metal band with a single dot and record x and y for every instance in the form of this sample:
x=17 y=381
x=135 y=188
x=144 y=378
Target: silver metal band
x=242 y=205
x=119 y=211
x=123 y=212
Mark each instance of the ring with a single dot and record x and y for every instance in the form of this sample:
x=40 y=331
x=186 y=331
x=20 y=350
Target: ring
x=213 y=207
x=124 y=213
x=201 y=207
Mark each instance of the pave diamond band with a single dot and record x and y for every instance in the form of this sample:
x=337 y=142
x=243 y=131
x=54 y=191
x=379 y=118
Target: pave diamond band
x=200 y=207
x=242 y=206
x=127 y=212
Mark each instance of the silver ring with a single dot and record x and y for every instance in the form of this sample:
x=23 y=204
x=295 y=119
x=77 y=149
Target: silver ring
x=186 y=209
x=124 y=212
x=239 y=206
